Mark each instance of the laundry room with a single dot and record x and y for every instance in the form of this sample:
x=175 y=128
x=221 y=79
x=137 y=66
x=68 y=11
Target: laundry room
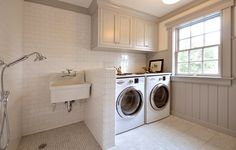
x=117 y=75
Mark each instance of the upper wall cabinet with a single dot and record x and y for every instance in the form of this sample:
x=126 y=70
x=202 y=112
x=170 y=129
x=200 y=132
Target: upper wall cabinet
x=145 y=33
x=115 y=29
x=124 y=31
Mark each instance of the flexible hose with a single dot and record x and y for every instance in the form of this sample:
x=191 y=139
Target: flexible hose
x=4 y=121
x=5 y=124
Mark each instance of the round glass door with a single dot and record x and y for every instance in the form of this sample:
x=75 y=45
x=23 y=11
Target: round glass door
x=129 y=103
x=159 y=96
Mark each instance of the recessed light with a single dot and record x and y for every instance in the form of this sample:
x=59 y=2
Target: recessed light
x=169 y=2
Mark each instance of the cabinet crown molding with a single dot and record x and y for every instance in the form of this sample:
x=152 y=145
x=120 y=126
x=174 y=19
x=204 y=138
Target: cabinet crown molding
x=105 y=3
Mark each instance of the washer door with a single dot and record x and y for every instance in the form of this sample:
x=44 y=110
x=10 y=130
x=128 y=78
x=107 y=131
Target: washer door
x=159 y=96
x=129 y=103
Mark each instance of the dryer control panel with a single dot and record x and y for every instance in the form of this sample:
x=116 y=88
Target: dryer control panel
x=162 y=78
x=153 y=80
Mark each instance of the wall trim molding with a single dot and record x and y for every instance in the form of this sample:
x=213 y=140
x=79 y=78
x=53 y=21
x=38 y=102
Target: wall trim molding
x=225 y=81
x=205 y=124
x=125 y=9
x=61 y=5
x=219 y=6
x=181 y=9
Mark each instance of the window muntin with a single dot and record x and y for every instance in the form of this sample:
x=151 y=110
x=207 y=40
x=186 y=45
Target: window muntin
x=198 y=46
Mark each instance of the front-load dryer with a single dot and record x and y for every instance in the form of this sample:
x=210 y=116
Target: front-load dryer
x=129 y=103
x=157 y=97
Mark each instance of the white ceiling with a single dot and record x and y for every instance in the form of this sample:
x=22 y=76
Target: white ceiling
x=153 y=7
x=83 y=3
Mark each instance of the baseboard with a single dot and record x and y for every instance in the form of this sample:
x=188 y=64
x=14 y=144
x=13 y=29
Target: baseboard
x=55 y=127
x=205 y=124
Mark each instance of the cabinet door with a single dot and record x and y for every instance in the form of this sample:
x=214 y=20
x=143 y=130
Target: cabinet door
x=150 y=35
x=108 y=24
x=139 y=34
x=124 y=31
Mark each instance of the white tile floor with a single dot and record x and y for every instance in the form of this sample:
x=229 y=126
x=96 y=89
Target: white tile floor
x=171 y=133
x=73 y=137
x=174 y=133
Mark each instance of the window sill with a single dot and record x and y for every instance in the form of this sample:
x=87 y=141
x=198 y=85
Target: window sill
x=225 y=81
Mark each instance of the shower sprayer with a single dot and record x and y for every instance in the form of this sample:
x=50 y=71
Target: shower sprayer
x=5 y=94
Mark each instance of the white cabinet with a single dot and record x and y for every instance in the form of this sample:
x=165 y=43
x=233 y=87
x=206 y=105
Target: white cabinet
x=108 y=28
x=139 y=33
x=124 y=31
x=113 y=29
x=145 y=33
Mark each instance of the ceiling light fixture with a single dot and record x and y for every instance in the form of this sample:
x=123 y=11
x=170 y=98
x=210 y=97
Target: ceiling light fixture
x=169 y=2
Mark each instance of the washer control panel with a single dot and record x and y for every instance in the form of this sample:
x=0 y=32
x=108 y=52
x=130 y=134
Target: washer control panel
x=130 y=81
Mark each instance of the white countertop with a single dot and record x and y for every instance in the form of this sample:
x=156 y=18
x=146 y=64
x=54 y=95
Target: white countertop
x=143 y=75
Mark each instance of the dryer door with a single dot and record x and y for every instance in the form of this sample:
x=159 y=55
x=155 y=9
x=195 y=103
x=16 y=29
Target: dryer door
x=159 y=96
x=129 y=103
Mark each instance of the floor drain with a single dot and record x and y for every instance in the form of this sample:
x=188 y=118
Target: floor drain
x=42 y=146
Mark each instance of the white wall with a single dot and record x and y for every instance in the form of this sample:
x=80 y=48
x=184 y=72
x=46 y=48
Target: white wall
x=209 y=104
x=64 y=37
x=10 y=49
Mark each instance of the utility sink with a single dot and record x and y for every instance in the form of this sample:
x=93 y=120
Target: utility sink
x=68 y=88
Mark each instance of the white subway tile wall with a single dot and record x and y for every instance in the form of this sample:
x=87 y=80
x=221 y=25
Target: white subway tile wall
x=64 y=37
x=109 y=110
x=11 y=49
x=100 y=108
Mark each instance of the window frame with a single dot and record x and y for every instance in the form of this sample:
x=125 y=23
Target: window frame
x=225 y=7
x=176 y=45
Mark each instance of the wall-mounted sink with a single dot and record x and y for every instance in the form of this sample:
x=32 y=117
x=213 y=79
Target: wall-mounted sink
x=68 y=88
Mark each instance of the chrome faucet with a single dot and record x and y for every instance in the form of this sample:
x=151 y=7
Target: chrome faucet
x=69 y=73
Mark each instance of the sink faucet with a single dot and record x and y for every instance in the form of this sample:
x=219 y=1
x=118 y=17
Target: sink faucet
x=68 y=73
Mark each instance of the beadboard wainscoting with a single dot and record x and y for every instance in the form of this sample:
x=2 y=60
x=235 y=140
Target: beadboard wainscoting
x=208 y=104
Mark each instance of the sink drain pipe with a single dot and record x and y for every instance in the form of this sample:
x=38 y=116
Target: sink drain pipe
x=69 y=105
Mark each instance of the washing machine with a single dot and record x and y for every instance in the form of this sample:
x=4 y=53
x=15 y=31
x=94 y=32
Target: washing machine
x=157 y=97
x=129 y=103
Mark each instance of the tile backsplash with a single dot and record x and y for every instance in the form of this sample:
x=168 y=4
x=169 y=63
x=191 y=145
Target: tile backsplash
x=64 y=38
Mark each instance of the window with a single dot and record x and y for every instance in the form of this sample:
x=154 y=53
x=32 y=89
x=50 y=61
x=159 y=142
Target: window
x=198 y=45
